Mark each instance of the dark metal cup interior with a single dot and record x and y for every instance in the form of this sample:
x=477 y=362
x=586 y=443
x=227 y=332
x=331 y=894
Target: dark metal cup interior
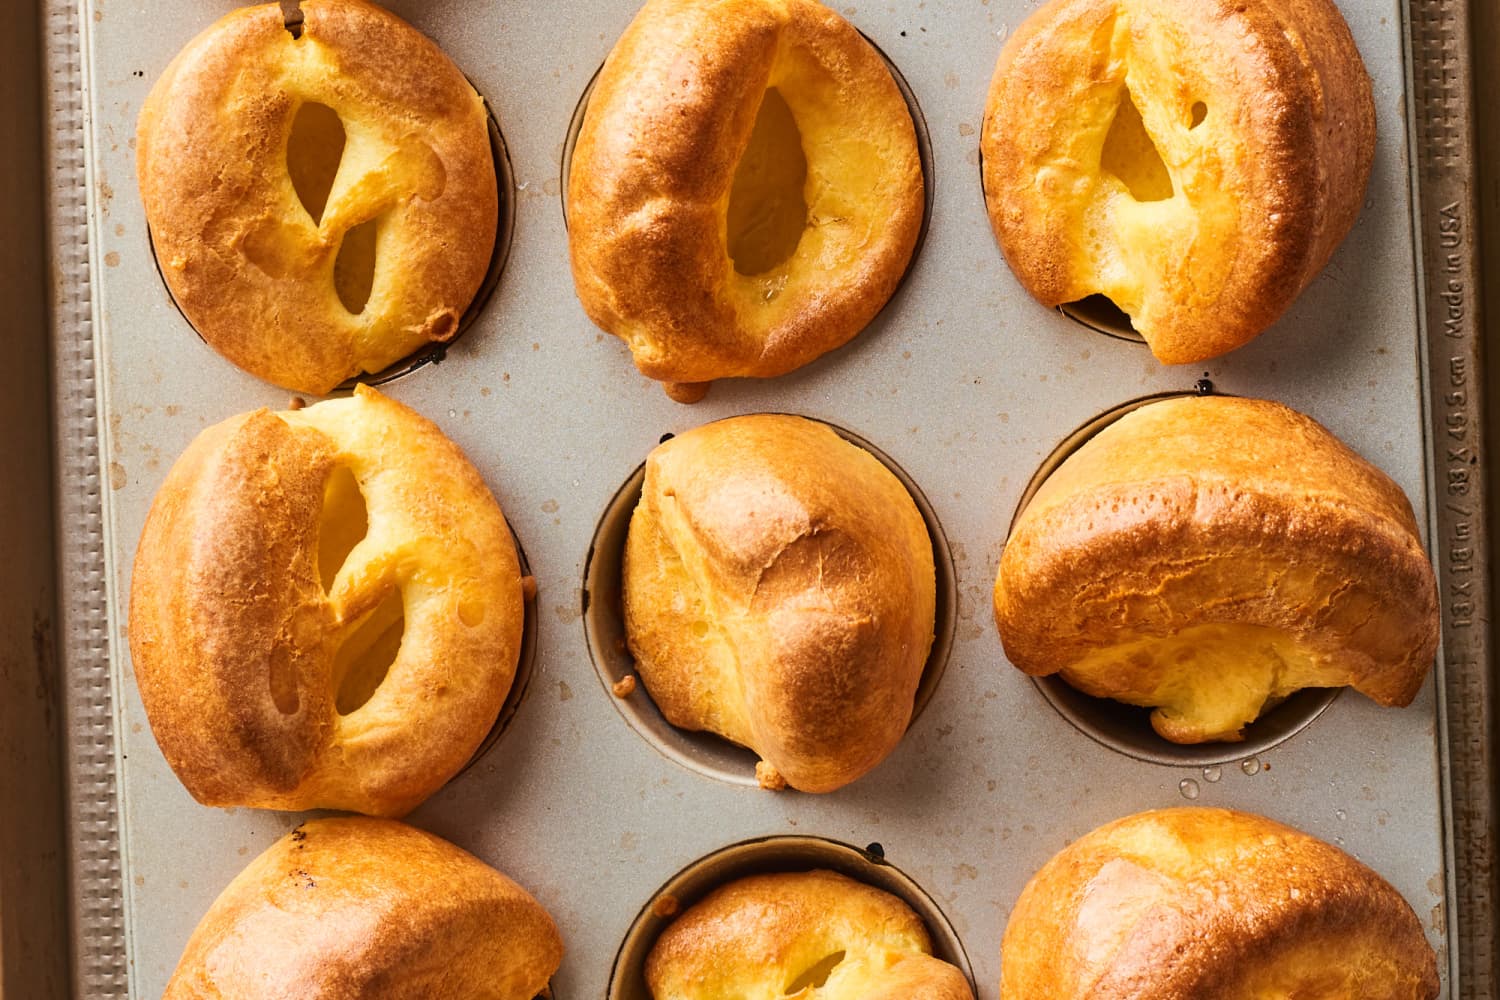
x=604 y=627
x=1098 y=313
x=767 y=855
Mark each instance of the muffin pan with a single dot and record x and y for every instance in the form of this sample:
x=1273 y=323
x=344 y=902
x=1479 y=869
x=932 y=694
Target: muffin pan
x=963 y=381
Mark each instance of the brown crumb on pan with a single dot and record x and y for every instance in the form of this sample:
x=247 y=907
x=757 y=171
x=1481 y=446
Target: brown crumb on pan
x=297 y=403
x=686 y=392
x=625 y=686
x=768 y=777
x=666 y=905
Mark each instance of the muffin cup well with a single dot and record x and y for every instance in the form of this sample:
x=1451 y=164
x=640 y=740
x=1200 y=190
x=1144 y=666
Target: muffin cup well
x=1127 y=728
x=627 y=980
x=604 y=628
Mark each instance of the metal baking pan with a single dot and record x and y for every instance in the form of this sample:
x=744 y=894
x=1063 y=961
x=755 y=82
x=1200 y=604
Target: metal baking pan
x=963 y=382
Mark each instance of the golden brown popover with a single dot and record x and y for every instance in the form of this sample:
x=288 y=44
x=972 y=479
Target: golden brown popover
x=322 y=204
x=780 y=591
x=357 y=908
x=810 y=935
x=746 y=191
x=1195 y=161
x=326 y=609
x=1198 y=903
x=1208 y=556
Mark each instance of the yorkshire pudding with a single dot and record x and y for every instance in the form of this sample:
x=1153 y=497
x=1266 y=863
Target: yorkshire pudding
x=1209 y=556
x=780 y=590
x=356 y=907
x=746 y=191
x=322 y=203
x=810 y=935
x=1211 y=903
x=1197 y=163
x=326 y=609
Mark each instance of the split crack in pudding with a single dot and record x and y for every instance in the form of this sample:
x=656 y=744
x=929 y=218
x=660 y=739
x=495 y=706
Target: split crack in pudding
x=1195 y=162
x=780 y=590
x=746 y=191
x=321 y=206
x=1208 y=556
x=811 y=935
x=326 y=609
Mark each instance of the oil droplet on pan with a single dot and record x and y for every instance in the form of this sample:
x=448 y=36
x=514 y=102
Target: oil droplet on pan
x=1188 y=787
x=1250 y=765
x=1212 y=774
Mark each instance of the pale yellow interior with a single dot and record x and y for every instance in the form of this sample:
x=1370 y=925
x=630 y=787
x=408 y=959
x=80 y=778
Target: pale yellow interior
x=767 y=202
x=1206 y=683
x=815 y=975
x=370 y=646
x=837 y=169
x=1159 y=203
x=354 y=268
x=317 y=150
x=366 y=656
x=344 y=522
x=1131 y=156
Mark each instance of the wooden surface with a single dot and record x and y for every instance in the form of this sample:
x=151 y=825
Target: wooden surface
x=33 y=941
